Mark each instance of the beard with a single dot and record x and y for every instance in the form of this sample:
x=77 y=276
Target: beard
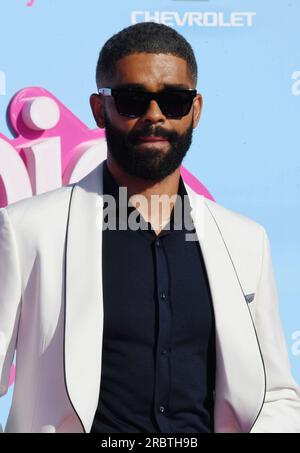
x=152 y=163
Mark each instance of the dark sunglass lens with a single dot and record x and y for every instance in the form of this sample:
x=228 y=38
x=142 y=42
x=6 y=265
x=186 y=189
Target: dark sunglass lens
x=175 y=105
x=131 y=104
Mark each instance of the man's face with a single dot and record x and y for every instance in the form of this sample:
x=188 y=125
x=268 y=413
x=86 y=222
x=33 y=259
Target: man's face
x=151 y=146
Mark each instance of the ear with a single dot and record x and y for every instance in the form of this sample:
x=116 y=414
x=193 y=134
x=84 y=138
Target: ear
x=198 y=104
x=97 y=106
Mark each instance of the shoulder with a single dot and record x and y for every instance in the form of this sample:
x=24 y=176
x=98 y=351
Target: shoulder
x=233 y=222
x=244 y=240
x=42 y=210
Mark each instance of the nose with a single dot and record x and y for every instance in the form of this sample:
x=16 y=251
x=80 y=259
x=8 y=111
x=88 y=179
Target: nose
x=153 y=113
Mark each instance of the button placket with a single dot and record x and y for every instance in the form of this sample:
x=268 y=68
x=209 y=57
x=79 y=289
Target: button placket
x=162 y=389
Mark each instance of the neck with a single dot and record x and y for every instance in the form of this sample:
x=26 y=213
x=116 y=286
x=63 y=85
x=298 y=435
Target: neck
x=155 y=213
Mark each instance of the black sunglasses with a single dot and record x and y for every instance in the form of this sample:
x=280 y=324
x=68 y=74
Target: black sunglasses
x=174 y=103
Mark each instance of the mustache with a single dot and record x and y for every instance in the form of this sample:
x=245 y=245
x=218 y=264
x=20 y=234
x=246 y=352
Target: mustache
x=148 y=131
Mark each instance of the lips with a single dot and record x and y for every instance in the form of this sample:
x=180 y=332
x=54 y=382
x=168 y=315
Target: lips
x=152 y=139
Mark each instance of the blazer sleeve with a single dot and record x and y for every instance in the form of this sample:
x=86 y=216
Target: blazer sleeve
x=280 y=412
x=10 y=299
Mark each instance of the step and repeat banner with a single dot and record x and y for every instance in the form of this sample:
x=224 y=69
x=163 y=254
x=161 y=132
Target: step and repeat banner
x=245 y=152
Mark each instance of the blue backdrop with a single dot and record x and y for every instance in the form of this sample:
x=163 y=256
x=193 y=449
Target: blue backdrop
x=246 y=149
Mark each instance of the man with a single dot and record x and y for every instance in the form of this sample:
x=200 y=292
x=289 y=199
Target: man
x=169 y=327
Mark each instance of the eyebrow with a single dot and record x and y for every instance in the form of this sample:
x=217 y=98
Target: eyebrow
x=140 y=86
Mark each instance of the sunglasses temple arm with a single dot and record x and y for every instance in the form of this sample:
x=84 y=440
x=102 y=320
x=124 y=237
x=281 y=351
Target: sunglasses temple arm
x=105 y=91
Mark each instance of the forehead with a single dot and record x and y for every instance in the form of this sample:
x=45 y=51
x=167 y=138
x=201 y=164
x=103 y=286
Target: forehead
x=152 y=71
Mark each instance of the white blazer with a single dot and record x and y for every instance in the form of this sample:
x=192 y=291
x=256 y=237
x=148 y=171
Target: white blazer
x=51 y=313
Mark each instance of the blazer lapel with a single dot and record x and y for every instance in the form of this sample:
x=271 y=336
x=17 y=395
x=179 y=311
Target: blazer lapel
x=240 y=373
x=83 y=296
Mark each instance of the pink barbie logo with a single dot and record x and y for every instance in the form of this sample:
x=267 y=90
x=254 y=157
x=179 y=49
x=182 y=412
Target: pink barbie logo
x=51 y=148
x=30 y=3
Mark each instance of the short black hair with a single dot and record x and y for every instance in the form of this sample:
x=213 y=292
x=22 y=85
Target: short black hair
x=145 y=37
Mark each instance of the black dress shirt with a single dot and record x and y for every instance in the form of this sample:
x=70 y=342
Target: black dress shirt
x=158 y=355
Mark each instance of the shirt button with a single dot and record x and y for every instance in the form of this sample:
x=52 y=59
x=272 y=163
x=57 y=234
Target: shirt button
x=164 y=351
x=162 y=409
x=163 y=295
x=157 y=243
